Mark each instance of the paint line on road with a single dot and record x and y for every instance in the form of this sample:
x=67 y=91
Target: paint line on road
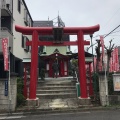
x=71 y=113
x=55 y=114
x=20 y=113
x=11 y=117
x=6 y=114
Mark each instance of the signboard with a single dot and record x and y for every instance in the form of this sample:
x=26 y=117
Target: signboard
x=5 y=53
x=116 y=82
x=6 y=88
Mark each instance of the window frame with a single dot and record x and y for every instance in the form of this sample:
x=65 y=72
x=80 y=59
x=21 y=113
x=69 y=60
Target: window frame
x=19 y=6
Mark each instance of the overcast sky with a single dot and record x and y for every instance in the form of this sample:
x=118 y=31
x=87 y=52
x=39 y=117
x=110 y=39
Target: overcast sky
x=76 y=13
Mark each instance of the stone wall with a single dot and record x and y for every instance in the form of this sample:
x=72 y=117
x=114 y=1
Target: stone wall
x=114 y=99
x=4 y=100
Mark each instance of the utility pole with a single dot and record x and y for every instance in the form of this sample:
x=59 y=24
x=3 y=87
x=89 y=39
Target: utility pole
x=109 y=51
x=94 y=80
x=58 y=21
x=98 y=54
x=91 y=36
x=9 y=82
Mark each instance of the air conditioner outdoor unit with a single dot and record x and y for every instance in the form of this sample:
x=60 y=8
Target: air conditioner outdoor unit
x=8 y=4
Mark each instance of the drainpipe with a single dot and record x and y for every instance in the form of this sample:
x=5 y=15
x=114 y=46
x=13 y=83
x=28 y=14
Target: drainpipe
x=0 y=17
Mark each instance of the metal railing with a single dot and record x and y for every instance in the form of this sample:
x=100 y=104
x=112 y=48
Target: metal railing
x=7 y=4
x=6 y=29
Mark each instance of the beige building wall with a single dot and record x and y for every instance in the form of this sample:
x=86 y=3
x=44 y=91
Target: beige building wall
x=18 y=51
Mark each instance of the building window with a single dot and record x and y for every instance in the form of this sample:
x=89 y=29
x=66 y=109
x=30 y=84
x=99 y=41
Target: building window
x=26 y=17
x=29 y=22
x=19 y=6
x=24 y=40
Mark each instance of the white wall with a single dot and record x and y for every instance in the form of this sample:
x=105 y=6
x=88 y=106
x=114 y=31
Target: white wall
x=51 y=49
x=18 y=51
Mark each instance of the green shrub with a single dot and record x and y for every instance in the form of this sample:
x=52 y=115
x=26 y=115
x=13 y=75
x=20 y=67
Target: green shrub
x=20 y=97
x=95 y=78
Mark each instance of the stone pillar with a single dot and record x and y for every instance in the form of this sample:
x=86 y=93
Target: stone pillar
x=103 y=88
x=13 y=91
x=25 y=81
x=4 y=100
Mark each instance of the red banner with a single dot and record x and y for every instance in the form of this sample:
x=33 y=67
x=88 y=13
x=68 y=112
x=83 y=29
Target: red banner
x=117 y=60
x=5 y=53
x=114 y=61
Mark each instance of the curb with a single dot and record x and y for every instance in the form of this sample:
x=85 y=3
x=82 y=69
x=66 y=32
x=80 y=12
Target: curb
x=51 y=111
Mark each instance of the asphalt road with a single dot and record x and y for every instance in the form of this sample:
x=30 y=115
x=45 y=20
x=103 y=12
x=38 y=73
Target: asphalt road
x=90 y=115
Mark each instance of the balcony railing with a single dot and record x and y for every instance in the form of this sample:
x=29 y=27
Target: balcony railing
x=6 y=29
x=7 y=5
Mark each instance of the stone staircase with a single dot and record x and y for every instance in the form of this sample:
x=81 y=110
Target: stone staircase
x=57 y=93
x=56 y=89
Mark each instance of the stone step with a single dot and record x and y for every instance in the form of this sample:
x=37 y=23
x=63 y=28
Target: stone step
x=59 y=79
x=55 y=87
x=56 y=84
x=56 y=91
x=59 y=103
x=56 y=95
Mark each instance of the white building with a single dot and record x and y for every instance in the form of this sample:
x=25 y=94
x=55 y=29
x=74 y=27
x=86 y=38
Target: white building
x=14 y=12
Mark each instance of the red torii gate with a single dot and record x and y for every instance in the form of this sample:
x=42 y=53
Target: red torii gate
x=79 y=31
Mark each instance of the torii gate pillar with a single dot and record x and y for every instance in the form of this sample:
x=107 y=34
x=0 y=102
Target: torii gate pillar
x=34 y=65
x=83 y=99
x=32 y=100
x=81 y=63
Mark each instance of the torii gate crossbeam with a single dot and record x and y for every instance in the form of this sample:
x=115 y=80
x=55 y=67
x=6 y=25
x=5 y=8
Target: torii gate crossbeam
x=47 y=43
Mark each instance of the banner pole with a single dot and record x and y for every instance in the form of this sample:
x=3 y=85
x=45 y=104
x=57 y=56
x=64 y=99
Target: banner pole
x=0 y=19
x=9 y=83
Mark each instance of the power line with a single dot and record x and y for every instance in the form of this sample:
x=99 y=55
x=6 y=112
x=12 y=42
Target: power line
x=105 y=36
x=116 y=12
x=116 y=31
x=112 y=31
